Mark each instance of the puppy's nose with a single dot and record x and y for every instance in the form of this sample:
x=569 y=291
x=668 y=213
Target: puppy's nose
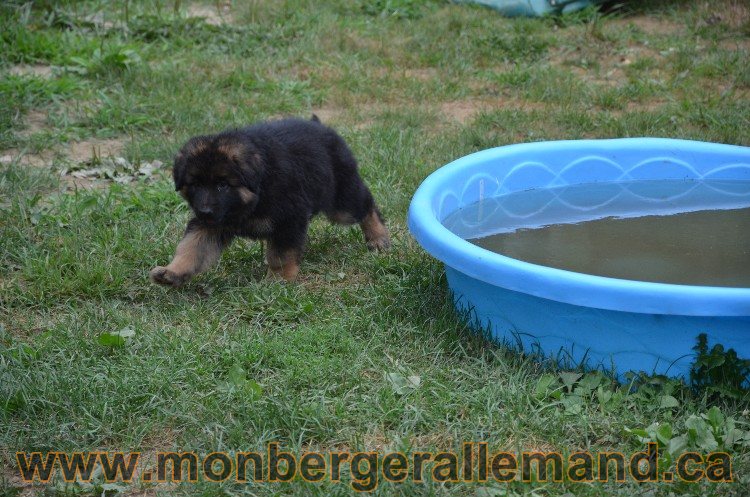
x=205 y=210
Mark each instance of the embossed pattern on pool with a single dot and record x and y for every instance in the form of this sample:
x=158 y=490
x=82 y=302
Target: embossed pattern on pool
x=672 y=231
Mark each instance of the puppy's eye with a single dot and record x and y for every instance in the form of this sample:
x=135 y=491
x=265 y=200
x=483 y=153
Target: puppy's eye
x=222 y=186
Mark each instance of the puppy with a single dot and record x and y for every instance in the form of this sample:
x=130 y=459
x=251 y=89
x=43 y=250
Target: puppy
x=266 y=182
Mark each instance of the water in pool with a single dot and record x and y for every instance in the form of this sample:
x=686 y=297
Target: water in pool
x=668 y=231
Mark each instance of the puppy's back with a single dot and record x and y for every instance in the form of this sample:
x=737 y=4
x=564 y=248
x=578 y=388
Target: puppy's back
x=292 y=132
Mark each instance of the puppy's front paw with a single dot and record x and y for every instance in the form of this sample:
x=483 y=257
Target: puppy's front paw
x=164 y=276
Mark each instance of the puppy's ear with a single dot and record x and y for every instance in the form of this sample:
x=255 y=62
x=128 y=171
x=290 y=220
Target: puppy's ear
x=249 y=166
x=247 y=162
x=194 y=146
x=246 y=195
x=179 y=170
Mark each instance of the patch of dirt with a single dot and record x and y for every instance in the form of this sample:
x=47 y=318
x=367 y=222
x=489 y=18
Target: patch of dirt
x=464 y=111
x=738 y=13
x=422 y=74
x=603 y=67
x=350 y=40
x=456 y=111
x=31 y=70
x=417 y=73
x=328 y=114
x=72 y=183
x=381 y=442
x=86 y=150
x=77 y=152
x=611 y=77
x=41 y=159
x=640 y=106
x=645 y=105
x=333 y=115
x=13 y=480
x=95 y=163
x=216 y=15
x=650 y=25
x=734 y=13
x=35 y=122
x=736 y=44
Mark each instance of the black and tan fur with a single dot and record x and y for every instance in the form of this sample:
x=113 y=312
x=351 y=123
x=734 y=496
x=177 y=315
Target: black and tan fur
x=266 y=182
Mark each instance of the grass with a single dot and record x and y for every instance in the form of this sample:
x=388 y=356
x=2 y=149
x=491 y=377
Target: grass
x=233 y=361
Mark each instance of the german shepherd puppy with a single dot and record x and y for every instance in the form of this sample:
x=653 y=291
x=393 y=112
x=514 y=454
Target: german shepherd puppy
x=266 y=182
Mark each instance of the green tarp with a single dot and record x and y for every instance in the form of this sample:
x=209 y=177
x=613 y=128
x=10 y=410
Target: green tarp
x=531 y=8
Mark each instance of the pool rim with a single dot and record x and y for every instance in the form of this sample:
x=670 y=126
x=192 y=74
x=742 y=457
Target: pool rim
x=559 y=284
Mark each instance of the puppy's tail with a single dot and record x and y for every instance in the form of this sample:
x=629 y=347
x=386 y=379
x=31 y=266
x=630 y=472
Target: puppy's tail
x=315 y=119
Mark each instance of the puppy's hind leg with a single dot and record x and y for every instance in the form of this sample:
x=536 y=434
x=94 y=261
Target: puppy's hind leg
x=373 y=227
x=198 y=250
x=353 y=202
x=376 y=234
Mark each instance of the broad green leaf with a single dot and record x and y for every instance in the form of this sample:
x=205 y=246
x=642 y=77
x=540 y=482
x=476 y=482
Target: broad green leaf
x=732 y=437
x=238 y=382
x=237 y=375
x=700 y=433
x=573 y=404
x=569 y=379
x=677 y=445
x=403 y=384
x=604 y=396
x=641 y=434
x=111 y=340
x=254 y=388
x=715 y=417
x=116 y=338
x=544 y=385
x=590 y=381
x=664 y=434
x=668 y=401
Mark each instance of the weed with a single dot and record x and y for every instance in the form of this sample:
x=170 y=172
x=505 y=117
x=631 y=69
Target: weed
x=719 y=371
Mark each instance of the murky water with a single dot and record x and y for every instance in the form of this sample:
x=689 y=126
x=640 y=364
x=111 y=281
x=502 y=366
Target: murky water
x=675 y=231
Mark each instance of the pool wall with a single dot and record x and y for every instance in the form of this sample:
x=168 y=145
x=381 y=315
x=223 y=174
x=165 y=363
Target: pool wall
x=606 y=322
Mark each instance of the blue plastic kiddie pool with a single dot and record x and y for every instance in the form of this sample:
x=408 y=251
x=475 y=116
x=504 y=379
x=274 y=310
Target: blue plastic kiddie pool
x=603 y=322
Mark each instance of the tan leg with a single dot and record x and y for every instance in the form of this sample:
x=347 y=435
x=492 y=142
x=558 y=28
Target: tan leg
x=376 y=234
x=197 y=251
x=283 y=263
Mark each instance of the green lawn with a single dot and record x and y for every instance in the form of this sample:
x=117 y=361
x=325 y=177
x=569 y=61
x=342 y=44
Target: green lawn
x=233 y=361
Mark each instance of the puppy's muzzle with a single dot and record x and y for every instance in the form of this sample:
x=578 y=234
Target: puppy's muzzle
x=207 y=214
